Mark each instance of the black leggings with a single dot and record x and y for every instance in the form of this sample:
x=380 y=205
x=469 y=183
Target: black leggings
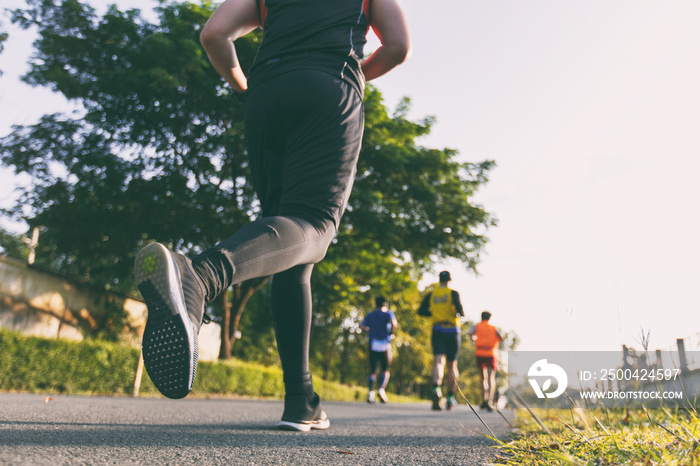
x=379 y=359
x=303 y=133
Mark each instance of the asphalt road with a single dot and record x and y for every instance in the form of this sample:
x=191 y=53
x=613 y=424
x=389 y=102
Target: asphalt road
x=104 y=430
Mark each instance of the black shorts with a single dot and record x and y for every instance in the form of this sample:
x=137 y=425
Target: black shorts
x=381 y=359
x=486 y=361
x=303 y=134
x=446 y=343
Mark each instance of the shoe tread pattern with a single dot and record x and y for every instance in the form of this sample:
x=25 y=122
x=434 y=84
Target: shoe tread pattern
x=165 y=346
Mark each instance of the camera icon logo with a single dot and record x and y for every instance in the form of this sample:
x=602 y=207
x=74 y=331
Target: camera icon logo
x=542 y=370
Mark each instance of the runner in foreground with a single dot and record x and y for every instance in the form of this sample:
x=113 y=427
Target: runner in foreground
x=304 y=121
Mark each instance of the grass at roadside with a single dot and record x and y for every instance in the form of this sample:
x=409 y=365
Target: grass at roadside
x=660 y=436
x=54 y=366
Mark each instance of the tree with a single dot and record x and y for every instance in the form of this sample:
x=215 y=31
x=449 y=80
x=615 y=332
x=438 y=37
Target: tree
x=414 y=200
x=157 y=152
x=410 y=207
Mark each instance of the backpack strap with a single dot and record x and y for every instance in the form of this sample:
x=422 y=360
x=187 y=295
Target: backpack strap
x=262 y=12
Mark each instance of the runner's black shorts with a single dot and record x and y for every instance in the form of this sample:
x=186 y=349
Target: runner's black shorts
x=446 y=342
x=381 y=359
x=303 y=135
x=486 y=361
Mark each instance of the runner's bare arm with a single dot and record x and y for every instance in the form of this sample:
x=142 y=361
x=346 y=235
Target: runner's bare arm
x=389 y=23
x=424 y=309
x=458 y=303
x=231 y=20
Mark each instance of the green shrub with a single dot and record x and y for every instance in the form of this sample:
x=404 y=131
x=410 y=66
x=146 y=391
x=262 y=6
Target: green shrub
x=32 y=364
x=92 y=367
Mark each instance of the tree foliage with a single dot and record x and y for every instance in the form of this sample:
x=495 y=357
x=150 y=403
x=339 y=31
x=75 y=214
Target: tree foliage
x=410 y=205
x=13 y=245
x=412 y=199
x=157 y=152
x=3 y=38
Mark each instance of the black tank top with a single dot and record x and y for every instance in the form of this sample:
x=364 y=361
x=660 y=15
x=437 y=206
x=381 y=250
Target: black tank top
x=325 y=35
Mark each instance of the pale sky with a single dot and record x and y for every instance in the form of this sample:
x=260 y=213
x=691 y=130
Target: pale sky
x=591 y=109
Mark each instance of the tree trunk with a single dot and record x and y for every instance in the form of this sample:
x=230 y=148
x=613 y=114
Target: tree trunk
x=345 y=356
x=231 y=305
x=328 y=358
x=224 y=308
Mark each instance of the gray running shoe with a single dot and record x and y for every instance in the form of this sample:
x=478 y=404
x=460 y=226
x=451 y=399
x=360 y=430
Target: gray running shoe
x=382 y=396
x=302 y=415
x=175 y=299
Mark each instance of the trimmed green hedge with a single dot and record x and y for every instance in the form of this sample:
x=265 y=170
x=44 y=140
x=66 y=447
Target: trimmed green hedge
x=31 y=364
x=91 y=367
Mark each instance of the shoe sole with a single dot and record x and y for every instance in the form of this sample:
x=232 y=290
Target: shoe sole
x=170 y=348
x=304 y=426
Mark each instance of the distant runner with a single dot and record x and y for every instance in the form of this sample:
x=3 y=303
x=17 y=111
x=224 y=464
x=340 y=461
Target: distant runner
x=381 y=326
x=486 y=339
x=445 y=308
